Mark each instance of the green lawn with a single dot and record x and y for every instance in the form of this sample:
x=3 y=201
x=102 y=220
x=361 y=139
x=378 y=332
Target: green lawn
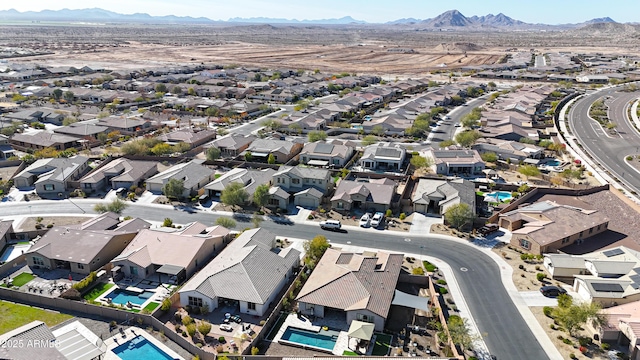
x=14 y=316
x=151 y=306
x=382 y=345
x=22 y=279
x=429 y=266
x=97 y=291
x=349 y=353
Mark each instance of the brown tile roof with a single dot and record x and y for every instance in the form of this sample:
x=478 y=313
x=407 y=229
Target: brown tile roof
x=349 y=281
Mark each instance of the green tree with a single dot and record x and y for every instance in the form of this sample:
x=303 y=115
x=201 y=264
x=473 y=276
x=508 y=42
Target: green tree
x=378 y=130
x=491 y=84
x=421 y=162
x=69 y=120
x=162 y=149
x=204 y=327
x=529 y=170
x=271 y=159
x=489 y=157
x=177 y=90
x=446 y=143
x=166 y=305
x=161 y=88
x=173 y=189
x=573 y=316
x=256 y=220
x=460 y=332
x=69 y=96
x=295 y=128
x=234 y=195
x=167 y=222
x=191 y=91
x=213 y=153
x=261 y=195
x=117 y=206
x=314 y=249
x=272 y=124
x=317 y=135
x=229 y=223
x=248 y=156
x=212 y=111
x=467 y=138
x=369 y=140
x=459 y=215
x=57 y=94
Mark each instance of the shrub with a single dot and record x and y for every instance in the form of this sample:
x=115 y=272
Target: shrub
x=255 y=350
x=388 y=213
x=402 y=216
x=191 y=329
x=541 y=276
x=552 y=327
x=204 y=327
x=585 y=341
x=222 y=340
x=567 y=341
x=538 y=268
x=524 y=257
x=521 y=267
x=187 y=320
x=178 y=316
x=429 y=266
x=166 y=304
x=86 y=283
x=560 y=337
x=417 y=271
x=548 y=311
x=441 y=282
x=443 y=291
x=184 y=333
x=572 y=356
x=605 y=346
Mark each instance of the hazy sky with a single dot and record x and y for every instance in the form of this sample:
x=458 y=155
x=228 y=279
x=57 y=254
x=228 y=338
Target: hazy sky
x=532 y=11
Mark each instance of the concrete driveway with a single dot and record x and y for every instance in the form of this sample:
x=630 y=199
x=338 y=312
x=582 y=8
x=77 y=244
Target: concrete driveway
x=421 y=224
x=535 y=298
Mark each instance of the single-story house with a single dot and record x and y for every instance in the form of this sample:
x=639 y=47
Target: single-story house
x=359 y=285
x=436 y=196
x=455 y=161
x=232 y=144
x=250 y=270
x=193 y=175
x=188 y=136
x=84 y=248
x=250 y=178
x=382 y=156
x=376 y=194
x=44 y=139
x=320 y=153
x=118 y=173
x=282 y=150
x=52 y=175
x=6 y=232
x=177 y=254
x=546 y=226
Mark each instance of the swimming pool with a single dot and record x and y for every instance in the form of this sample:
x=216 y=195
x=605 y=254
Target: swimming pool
x=325 y=339
x=502 y=196
x=553 y=163
x=140 y=348
x=120 y=296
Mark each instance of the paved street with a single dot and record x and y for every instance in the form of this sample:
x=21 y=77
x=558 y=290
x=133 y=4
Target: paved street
x=608 y=150
x=477 y=274
x=447 y=130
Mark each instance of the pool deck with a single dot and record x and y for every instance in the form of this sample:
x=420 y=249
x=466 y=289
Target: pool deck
x=160 y=293
x=118 y=340
x=13 y=251
x=302 y=322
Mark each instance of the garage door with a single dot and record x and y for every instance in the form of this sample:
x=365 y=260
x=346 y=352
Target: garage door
x=421 y=208
x=307 y=202
x=583 y=291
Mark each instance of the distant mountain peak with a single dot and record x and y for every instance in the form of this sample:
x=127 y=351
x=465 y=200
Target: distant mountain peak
x=451 y=18
x=600 y=20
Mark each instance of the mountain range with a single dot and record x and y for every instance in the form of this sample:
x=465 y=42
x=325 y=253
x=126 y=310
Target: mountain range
x=448 y=19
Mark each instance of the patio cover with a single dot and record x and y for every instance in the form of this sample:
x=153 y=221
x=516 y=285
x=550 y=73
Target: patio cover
x=169 y=269
x=531 y=161
x=361 y=330
x=318 y=162
x=411 y=301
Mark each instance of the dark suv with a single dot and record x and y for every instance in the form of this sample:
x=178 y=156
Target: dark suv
x=488 y=229
x=552 y=291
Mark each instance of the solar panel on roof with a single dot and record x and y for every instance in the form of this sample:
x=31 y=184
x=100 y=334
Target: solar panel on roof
x=635 y=285
x=635 y=278
x=605 y=287
x=637 y=270
x=324 y=148
x=613 y=252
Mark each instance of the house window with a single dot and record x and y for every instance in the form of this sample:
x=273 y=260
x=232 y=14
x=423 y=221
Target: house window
x=295 y=181
x=590 y=230
x=525 y=244
x=566 y=240
x=364 y=317
x=38 y=261
x=251 y=306
x=87 y=185
x=340 y=205
x=306 y=181
x=49 y=187
x=278 y=180
x=336 y=161
x=195 y=301
x=273 y=201
x=80 y=266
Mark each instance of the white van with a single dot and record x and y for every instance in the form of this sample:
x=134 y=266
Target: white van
x=330 y=225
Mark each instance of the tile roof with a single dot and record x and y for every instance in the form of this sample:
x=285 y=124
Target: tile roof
x=303 y=172
x=191 y=173
x=248 y=269
x=250 y=178
x=33 y=332
x=350 y=281
x=271 y=145
x=59 y=169
x=375 y=192
x=120 y=170
x=44 y=138
x=231 y=141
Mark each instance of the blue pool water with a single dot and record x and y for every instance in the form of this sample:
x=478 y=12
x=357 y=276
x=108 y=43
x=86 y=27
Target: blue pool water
x=553 y=163
x=324 y=339
x=502 y=195
x=140 y=348
x=120 y=296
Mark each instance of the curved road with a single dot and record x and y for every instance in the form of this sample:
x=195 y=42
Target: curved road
x=609 y=151
x=506 y=332
x=447 y=129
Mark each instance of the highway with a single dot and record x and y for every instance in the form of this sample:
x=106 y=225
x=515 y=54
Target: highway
x=505 y=331
x=608 y=150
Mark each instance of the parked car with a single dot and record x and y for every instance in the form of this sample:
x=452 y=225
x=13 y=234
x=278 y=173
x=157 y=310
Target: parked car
x=552 y=291
x=330 y=225
x=488 y=229
x=365 y=220
x=377 y=219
